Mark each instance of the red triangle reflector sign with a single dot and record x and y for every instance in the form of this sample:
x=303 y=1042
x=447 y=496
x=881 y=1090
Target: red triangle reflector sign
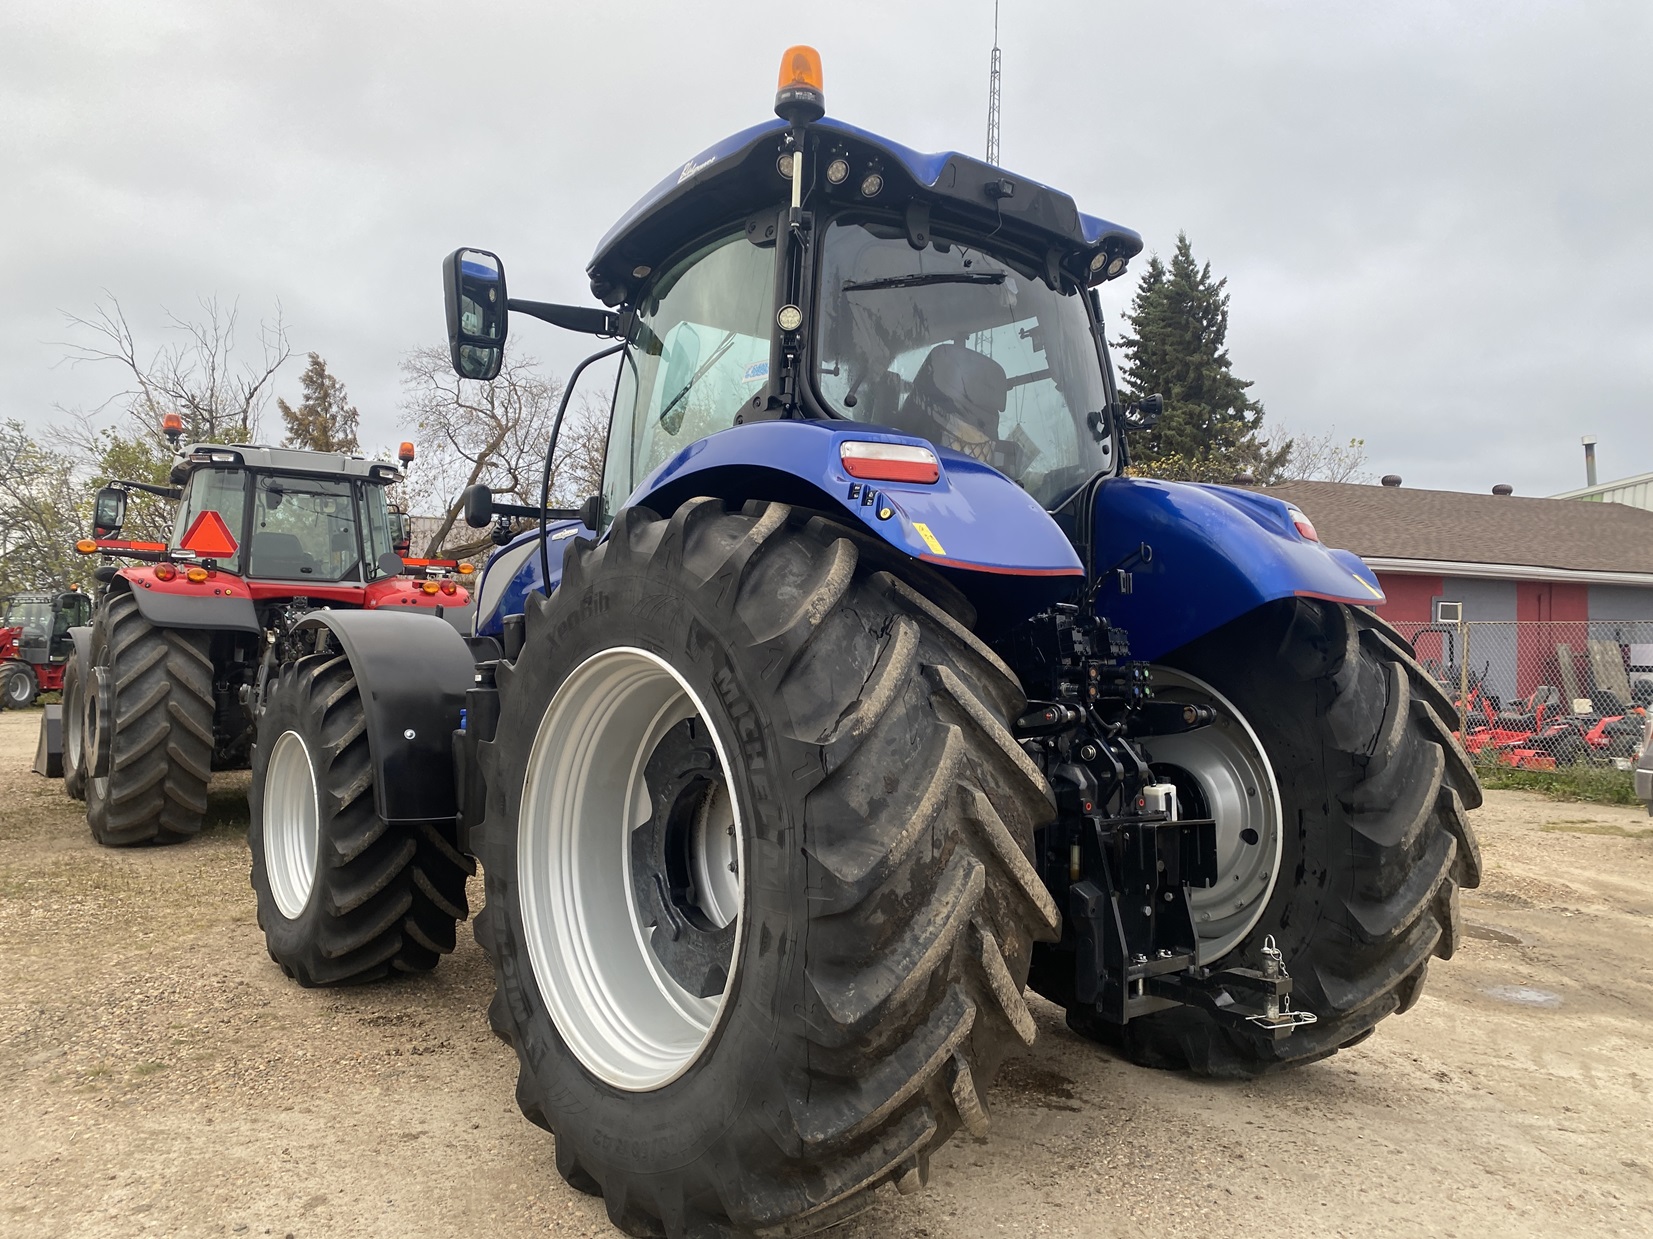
x=209 y=537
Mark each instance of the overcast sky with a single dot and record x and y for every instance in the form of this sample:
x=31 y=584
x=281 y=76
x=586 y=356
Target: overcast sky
x=1434 y=217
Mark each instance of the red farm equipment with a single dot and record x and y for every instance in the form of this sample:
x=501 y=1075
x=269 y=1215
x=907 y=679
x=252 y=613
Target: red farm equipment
x=160 y=678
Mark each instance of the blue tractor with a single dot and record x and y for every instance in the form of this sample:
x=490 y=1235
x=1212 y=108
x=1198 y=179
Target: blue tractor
x=868 y=692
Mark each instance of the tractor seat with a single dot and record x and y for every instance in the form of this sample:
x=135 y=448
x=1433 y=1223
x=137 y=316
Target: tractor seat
x=955 y=402
x=280 y=555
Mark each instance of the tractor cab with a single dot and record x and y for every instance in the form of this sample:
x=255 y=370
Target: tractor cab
x=279 y=515
x=35 y=642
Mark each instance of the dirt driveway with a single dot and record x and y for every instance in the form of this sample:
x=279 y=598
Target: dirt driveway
x=160 y=1076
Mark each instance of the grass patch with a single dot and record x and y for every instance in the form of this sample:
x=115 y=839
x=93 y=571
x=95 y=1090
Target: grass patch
x=1587 y=784
x=148 y=1069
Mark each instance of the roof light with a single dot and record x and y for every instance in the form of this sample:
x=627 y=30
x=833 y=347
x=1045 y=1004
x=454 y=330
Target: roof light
x=1302 y=524
x=165 y=572
x=837 y=171
x=871 y=185
x=889 y=462
x=783 y=165
x=800 y=93
x=405 y=453
x=172 y=426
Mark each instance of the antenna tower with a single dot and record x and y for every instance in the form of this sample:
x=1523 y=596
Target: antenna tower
x=993 y=94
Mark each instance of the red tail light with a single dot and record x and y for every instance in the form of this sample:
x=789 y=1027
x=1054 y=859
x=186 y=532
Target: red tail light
x=889 y=462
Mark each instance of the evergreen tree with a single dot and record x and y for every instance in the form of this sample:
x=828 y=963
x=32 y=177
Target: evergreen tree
x=1178 y=325
x=324 y=420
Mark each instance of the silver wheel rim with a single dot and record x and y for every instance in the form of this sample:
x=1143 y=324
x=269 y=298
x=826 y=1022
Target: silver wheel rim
x=292 y=824
x=1227 y=763
x=584 y=793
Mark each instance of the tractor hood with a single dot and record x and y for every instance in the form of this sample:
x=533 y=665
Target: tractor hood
x=739 y=176
x=1217 y=553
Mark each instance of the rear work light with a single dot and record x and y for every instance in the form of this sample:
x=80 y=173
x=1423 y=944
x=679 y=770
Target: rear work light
x=889 y=462
x=1303 y=524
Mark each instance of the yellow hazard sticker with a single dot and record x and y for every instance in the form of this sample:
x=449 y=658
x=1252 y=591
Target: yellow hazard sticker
x=929 y=538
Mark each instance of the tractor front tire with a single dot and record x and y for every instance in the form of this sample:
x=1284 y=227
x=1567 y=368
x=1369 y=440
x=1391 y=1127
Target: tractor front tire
x=148 y=757
x=19 y=684
x=1375 y=846
x=343 y=897
x=759 y=896
x=74 y=730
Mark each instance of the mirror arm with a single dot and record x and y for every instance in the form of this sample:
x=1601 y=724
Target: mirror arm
x=149 y=488
x=550 y=514
x=551 y=450
x=570 y=317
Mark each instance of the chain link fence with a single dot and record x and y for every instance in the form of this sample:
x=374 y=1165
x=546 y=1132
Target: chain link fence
x=1547 y=692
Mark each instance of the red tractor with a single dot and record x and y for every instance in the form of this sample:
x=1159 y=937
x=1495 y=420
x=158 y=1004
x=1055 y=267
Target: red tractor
x=162 y=685
x=35 y=644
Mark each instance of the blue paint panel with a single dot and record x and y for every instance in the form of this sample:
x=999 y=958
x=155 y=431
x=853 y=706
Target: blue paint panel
x=976 y=518
x=1218 y=553
x=522 y=574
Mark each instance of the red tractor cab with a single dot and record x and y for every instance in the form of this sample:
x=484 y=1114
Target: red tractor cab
x=35 y=643
x=183 y=639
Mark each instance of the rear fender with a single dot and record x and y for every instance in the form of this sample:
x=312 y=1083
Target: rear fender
x=979 y=529
x=179 y=604
x=1218 y=552
x=413 y=671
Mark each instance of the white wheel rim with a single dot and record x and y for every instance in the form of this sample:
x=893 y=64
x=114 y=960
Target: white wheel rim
x=1227 y=762
x=584 y=793
x=292 y=824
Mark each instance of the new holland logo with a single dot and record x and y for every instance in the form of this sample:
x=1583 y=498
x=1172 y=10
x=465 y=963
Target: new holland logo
x=690 y=168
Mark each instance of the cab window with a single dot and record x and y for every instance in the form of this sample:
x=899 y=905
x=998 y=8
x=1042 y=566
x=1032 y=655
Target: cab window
x=304 y=529
x=223 y=491
x=699 y=351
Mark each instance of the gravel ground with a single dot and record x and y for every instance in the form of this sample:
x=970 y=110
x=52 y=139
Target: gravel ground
x=161 y=1076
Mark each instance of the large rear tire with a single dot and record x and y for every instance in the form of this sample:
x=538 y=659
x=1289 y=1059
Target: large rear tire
x=1374 y=844
x=74 y=730
x=148 y=748
x=759 y=1046
x=343 y=897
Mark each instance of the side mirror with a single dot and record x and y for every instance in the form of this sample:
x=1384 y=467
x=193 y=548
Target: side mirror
x=390 y=564
x=479 y=506
x=1144 y=414
x=108 y=512
x=591 y=512
x=473 y=286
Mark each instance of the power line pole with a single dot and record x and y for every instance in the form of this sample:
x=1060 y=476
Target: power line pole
x=993 y=94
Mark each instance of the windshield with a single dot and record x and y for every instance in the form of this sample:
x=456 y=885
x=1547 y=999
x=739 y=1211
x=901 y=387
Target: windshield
x=955 y=346
x=304 y=529
x=32 y=615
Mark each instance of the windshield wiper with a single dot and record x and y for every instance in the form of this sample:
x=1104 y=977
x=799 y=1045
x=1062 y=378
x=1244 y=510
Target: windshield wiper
x=920 y=279
x=699 y=374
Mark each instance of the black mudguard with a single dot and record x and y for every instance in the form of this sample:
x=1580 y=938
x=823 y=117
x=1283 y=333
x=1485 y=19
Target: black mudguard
x=190 y=611
x=414 y=671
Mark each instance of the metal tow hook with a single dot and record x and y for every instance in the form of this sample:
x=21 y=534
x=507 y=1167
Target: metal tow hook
x=1277 y=1012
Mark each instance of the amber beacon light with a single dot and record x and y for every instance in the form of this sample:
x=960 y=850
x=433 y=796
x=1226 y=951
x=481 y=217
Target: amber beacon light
x=800 y=96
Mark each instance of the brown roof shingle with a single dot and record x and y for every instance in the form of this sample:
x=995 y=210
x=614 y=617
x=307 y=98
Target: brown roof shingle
x=1396 y=522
